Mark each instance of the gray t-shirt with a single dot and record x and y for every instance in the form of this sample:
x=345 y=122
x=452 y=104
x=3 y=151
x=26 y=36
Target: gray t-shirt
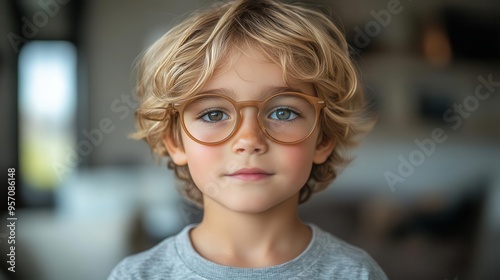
x=326 y=257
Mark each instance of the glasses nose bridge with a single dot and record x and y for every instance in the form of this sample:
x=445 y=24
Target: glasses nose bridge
x=249 y=103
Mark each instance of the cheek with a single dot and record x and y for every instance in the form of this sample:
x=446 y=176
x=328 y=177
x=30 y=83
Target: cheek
x=202 y=156
x=297 y=159
x=202 y=162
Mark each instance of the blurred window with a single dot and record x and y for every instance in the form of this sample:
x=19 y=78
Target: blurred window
x=47 y=115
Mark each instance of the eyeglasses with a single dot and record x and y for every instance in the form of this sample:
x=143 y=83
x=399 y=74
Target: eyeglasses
x=286 y=118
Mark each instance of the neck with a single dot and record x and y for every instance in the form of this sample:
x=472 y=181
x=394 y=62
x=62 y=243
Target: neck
x=251 y=239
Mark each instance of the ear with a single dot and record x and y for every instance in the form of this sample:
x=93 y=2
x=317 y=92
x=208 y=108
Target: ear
x=175 y=150
x=323 y=150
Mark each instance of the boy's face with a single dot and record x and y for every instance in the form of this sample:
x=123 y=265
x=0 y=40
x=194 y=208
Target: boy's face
x=249 y=172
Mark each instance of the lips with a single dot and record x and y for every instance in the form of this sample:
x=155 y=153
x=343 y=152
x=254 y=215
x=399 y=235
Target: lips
x=250 y=174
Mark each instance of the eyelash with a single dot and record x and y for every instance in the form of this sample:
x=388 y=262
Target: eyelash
x=208 y=111
x=286 y=108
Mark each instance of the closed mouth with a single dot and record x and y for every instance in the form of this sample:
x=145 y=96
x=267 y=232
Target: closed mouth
x=250 y=174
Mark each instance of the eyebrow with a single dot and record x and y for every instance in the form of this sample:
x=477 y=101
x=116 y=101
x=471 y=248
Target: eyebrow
x=266 y=92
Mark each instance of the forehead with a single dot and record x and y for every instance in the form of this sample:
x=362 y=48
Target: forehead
x=250 y=70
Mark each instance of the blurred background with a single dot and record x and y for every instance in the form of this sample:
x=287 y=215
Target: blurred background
x=422 y=196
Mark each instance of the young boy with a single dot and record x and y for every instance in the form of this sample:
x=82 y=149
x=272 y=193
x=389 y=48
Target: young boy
x=253 y=103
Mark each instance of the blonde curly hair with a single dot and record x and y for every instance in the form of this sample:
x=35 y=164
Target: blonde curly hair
x=304 y=42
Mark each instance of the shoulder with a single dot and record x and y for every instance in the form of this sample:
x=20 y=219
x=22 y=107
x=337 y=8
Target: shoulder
x=160 y=262
x=143 y=265
x=344 y=261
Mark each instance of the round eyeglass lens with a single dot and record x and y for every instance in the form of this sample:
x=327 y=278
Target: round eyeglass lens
x=288 y=118
x=209 y=119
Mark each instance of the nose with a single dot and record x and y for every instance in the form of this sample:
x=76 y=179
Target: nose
x=249 y=138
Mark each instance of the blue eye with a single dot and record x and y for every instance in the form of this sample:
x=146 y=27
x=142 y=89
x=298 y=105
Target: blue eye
x=283 y=114
x=214 y=116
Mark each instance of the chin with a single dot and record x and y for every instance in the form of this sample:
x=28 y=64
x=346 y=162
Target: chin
x=251 y=205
